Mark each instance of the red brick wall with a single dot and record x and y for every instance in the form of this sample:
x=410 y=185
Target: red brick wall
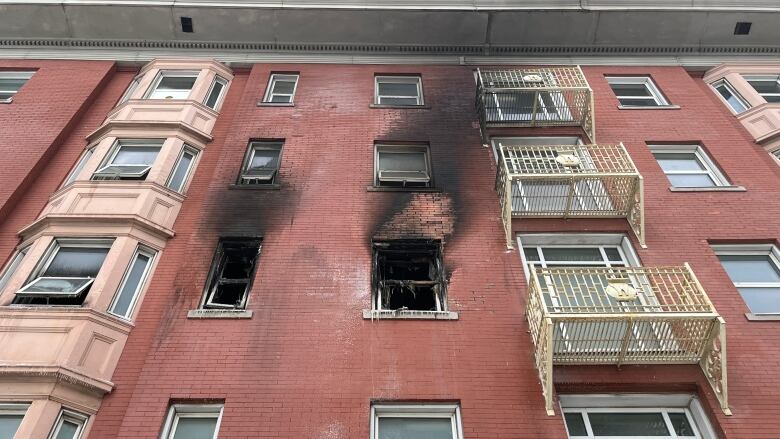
x=307 y=365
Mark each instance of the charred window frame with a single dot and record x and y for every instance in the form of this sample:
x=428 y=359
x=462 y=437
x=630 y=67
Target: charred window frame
x=403 y=166
x=262 y=162
x=408 y=275
x=232 y=271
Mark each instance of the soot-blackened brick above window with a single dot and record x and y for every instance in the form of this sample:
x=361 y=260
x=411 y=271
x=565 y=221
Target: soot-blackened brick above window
x=232 y=272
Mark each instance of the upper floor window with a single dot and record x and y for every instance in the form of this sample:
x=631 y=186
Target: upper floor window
x=416 y=421
x=172 y=84
x=409 y=275
x=261 y=163
x=11 y=266
x=192 y=421
x=10 y=83
x=11 y=416
x=726 y=91
x=688 y=166
x=215 y=93
x=131 y=89
x=636 y=91
x=129 y=159
x=755 y=271
x=402 y=166
x=181 y=170
x=69 y=425
x=232 y=272
x=281 y=88
x=767 y=86
x=398 y=90
x=74 y=173
x=134 y=279
x=66 y=272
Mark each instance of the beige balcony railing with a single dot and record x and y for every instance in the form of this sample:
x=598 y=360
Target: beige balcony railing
x=549 y=96
x=567 y=181
x=624 y=315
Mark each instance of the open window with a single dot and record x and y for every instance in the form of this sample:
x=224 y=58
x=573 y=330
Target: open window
x=637 y=91
x=172 y=85
x=408 y=275
x=261 y=163
x=129 y=159
x=65 y=274
x=402 y=166
x=232 y=272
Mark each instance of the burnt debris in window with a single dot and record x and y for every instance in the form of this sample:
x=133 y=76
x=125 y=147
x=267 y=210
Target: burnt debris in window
x=232 y=272
x=408 y=275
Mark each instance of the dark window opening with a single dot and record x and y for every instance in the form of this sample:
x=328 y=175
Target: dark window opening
x=232 y=273
x=742 y=28
x=408 y=275
x=186 y=25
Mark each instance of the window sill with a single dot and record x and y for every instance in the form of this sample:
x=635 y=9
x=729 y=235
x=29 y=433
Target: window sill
x=762 y=317
x=401 y=107
x=255 y=187
x=219 y=314
x=370 y=314
x=656 y=107
x=402 y=189
x=708 y=189
x=6 y=101
x=275 y=104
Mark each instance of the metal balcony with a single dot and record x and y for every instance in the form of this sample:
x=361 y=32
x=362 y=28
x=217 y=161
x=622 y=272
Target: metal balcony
x=534 y=97
x=624 y=315
x=567 y=181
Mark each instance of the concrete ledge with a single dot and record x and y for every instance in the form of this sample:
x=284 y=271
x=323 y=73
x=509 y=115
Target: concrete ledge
x=401 y=189
x=370 y=314
x=657 y=107
x=401 y=107
x=275 y=104
x=764 y=317
x=255 y=187
x=709 y=189
x=219 y=314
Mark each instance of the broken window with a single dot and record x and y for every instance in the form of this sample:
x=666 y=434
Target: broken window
x=261 y=163
x=408 y=275
x=402 y=166
x=232 y=272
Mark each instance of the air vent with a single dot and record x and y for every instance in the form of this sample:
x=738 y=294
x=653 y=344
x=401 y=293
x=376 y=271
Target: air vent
x=742 y=28
x=186 y=24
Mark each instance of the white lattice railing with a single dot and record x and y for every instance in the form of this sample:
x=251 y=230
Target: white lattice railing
x=566 y=181
x=547 y=96
x=624 y=315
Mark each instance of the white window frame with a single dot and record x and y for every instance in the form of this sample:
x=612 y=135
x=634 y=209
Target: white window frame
x=14 y=75
x=270 y=94
x=254 y=146
x=765 y=78
x=451 y=411
x=404 y=149
x=140 y=250
x=80 y=164
x=71 y=416
x=131 y=89
x=726 y=85
x=710 y=168
x=653 y=403
x=655 y=93
x=168 y=74
x=187 y=149
x=117 y=146
x=399 y=79
x=218 y=102
x=769 y=250
x=13 y=263
x=178 y=411
x=14 y=409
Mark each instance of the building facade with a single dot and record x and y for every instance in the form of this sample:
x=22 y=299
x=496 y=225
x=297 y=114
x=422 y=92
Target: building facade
x=217 y=239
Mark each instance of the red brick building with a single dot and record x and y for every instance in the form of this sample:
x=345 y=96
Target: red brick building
x=197 y=246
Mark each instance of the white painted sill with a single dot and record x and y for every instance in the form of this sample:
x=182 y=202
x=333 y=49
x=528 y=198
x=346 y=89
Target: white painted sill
x=653 y=107
x=219 y=314
x=709 y=189
x=762 y=317
x=372 y=314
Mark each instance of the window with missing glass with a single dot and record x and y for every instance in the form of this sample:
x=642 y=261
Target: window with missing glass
x=192 y=421
x=636 y=91
x=688 y=166
x=66 y=272
x=732 y=98
x=406 y=166
x=129 y=159
x=398 y=90
x=171 y=84
x=416 y=421
x=11 y=83
x=281 y=88
x=261 y=163
x=768 y=86
x=232 y=273
x=755 y=272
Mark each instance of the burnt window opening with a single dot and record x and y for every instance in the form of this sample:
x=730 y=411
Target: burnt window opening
x=232 y=272
x=408 y=275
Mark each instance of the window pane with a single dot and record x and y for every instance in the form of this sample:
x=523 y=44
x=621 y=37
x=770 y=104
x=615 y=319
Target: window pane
x=628 y=424
x=733 y=101
x=762 y=300
x=177 y=82
x=195 y=428
x=575 y=424
x=680 y=424
x=678 y=161
x=76 y=262
x=265 y=158
x=211 y=102
x=630 y=90
x=772 y=98
x=415 y=428
x=690 y=180
x=284 y=87
x=79 y=166
x=397 y=101
x=613 y=254
x=11 y=84
x=66 y=286
x=9 y=424
x=10 y=268
x=132 y=283
x=531 y=254
x=281 y=98
x=750 y=268
x=638 y=102
x=67 y=430
x=402 y=161
x=765 y=85
x=181 y=171
x=135 y=155
x=572 y=254
x=397 y=89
